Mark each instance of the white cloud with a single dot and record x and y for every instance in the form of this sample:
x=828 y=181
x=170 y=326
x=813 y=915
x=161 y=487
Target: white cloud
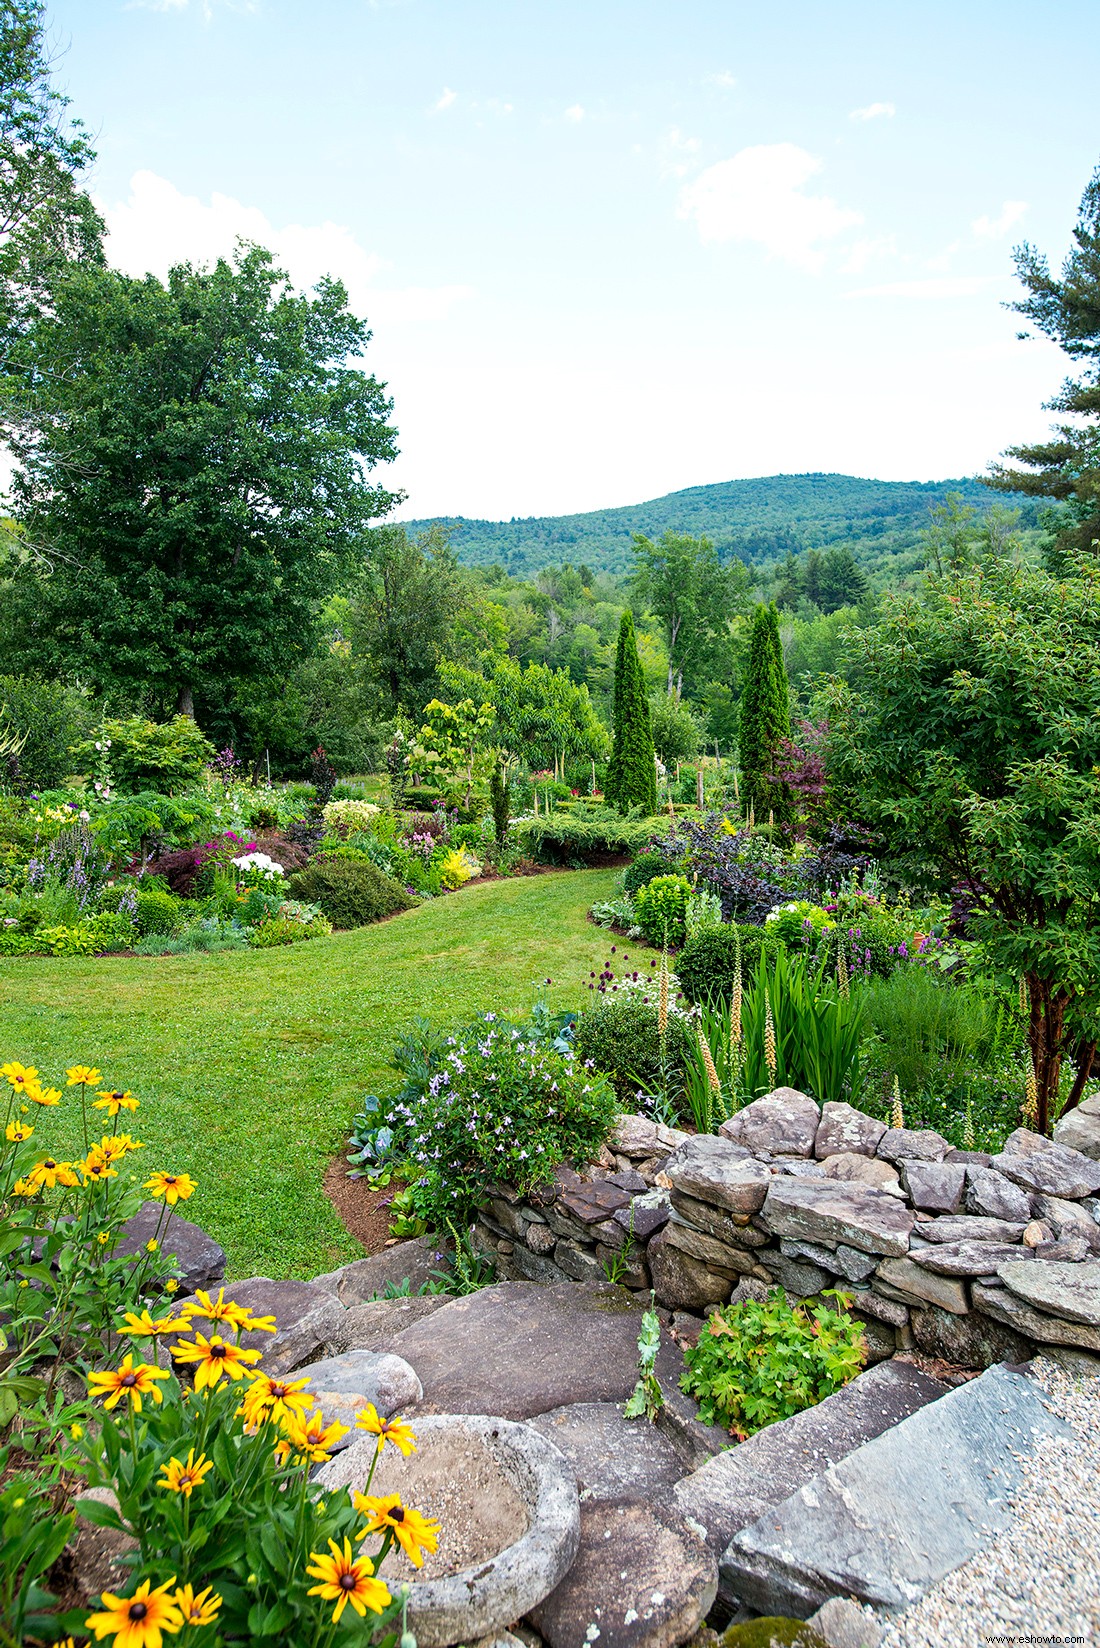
x=955 y=286
x=445 y=100
x=757 y=196
x=874 y=111
x=574 y=112
x=205 y=8
x=723 y=79
x=677 y=153
x=863 y=252
x=986 y=228
x=159 y=226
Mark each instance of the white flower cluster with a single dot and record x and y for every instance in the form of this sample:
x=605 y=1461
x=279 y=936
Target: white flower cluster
x=261 y=863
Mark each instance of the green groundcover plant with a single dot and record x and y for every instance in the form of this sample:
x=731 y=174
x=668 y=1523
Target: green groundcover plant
x=760 y=1361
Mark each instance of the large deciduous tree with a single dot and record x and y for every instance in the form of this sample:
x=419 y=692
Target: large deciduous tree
x=402 y=613
x=969 y=735
x=45 y=218
x=194 y=461
x=693 y=597
x=1066 y=467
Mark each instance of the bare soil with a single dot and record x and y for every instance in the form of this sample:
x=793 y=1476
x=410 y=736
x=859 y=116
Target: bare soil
x=363 y=1210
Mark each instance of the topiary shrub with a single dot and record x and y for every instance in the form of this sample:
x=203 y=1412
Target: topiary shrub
x=156 y=911
x=350 y=890
x=706 y=964
x=619 y=1034
x=642 y=871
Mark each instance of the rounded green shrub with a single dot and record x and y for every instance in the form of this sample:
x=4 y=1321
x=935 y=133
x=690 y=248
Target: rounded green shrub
x=660 y=907
x=619 y=1034
x=706 y=964
x=645 y=867
x=350 y=890
x=157 y=911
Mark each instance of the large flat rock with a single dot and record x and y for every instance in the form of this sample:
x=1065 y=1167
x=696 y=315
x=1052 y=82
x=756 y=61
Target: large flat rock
x=344 y=1385
x=1049 y=1168
x=642 y=1579
x=1005 y=1306
x=310 y=1323
x=415 y=1261
x=519 y=1349
x=783 y=1122
x=736 y=1487
x=894 y=1517
x=830 y=1211
x=1069 y=1291
x=200 y=1259
x=844 y=1129
x=1080 y=1130
x=720 y=1172
x=612 y=1457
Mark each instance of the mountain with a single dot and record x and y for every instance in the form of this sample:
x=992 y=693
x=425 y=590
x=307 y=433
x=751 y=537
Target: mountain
x=758 y=520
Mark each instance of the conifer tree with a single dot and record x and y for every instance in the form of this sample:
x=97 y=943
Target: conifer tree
x=632 y=773
x=765 y=714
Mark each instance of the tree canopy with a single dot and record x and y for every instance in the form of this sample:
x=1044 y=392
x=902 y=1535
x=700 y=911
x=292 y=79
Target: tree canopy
x=968 y=735
x=1066 y=467
x=193 y=462
x=693 y=597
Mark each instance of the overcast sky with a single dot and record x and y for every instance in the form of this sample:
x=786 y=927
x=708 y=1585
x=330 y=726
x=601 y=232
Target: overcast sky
x=610 y=248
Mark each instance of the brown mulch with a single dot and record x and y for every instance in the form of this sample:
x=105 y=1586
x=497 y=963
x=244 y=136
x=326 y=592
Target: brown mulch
x=363 y=1210
x=948 y=1373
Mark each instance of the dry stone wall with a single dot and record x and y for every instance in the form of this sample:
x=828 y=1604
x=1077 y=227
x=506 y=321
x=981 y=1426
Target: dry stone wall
x=963 y=1255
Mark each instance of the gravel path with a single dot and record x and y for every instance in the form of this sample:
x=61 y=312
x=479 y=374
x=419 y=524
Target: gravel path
x=1040 y=1580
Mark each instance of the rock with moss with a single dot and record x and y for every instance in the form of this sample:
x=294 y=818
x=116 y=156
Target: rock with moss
x=773 y=1632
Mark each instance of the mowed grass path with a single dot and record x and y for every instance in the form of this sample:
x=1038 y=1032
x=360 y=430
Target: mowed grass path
x=250 y=1065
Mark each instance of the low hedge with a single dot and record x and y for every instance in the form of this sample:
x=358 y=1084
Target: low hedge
x=350 y=890
x=572 y=837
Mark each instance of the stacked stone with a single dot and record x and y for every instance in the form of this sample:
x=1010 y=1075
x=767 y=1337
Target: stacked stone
x=972 y=1257
x=591 y=1226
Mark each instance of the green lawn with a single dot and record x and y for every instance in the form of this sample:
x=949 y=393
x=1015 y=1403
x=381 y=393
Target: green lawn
x=249 y=1065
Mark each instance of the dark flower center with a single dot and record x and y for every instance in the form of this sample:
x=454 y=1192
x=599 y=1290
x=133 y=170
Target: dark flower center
x=348 y=1582
x=397 y=1514
x=49 y=1164
x=137 y=1610
x=128 y=1379
x=218 y=1349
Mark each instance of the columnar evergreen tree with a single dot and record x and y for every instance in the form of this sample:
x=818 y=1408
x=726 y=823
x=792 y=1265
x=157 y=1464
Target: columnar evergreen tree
x=611 y=781
x=632 y=772
x=765 y=712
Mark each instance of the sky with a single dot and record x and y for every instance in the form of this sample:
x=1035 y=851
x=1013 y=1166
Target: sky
x=614 y=248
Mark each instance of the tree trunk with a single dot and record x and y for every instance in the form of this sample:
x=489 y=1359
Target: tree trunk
x=1083 y=1055
x=1045 y=1042
x=186 y=705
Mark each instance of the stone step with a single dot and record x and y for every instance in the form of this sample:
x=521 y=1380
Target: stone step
x=897 y=1514
x=731 y=1490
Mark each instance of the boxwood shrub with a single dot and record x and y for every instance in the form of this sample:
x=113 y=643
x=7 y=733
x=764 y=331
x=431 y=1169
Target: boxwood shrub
x=706 y=964
x=350 y=890
x=619 y=1034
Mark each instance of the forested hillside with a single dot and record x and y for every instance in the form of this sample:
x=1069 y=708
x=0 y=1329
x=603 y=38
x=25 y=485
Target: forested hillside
x=757 y=520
